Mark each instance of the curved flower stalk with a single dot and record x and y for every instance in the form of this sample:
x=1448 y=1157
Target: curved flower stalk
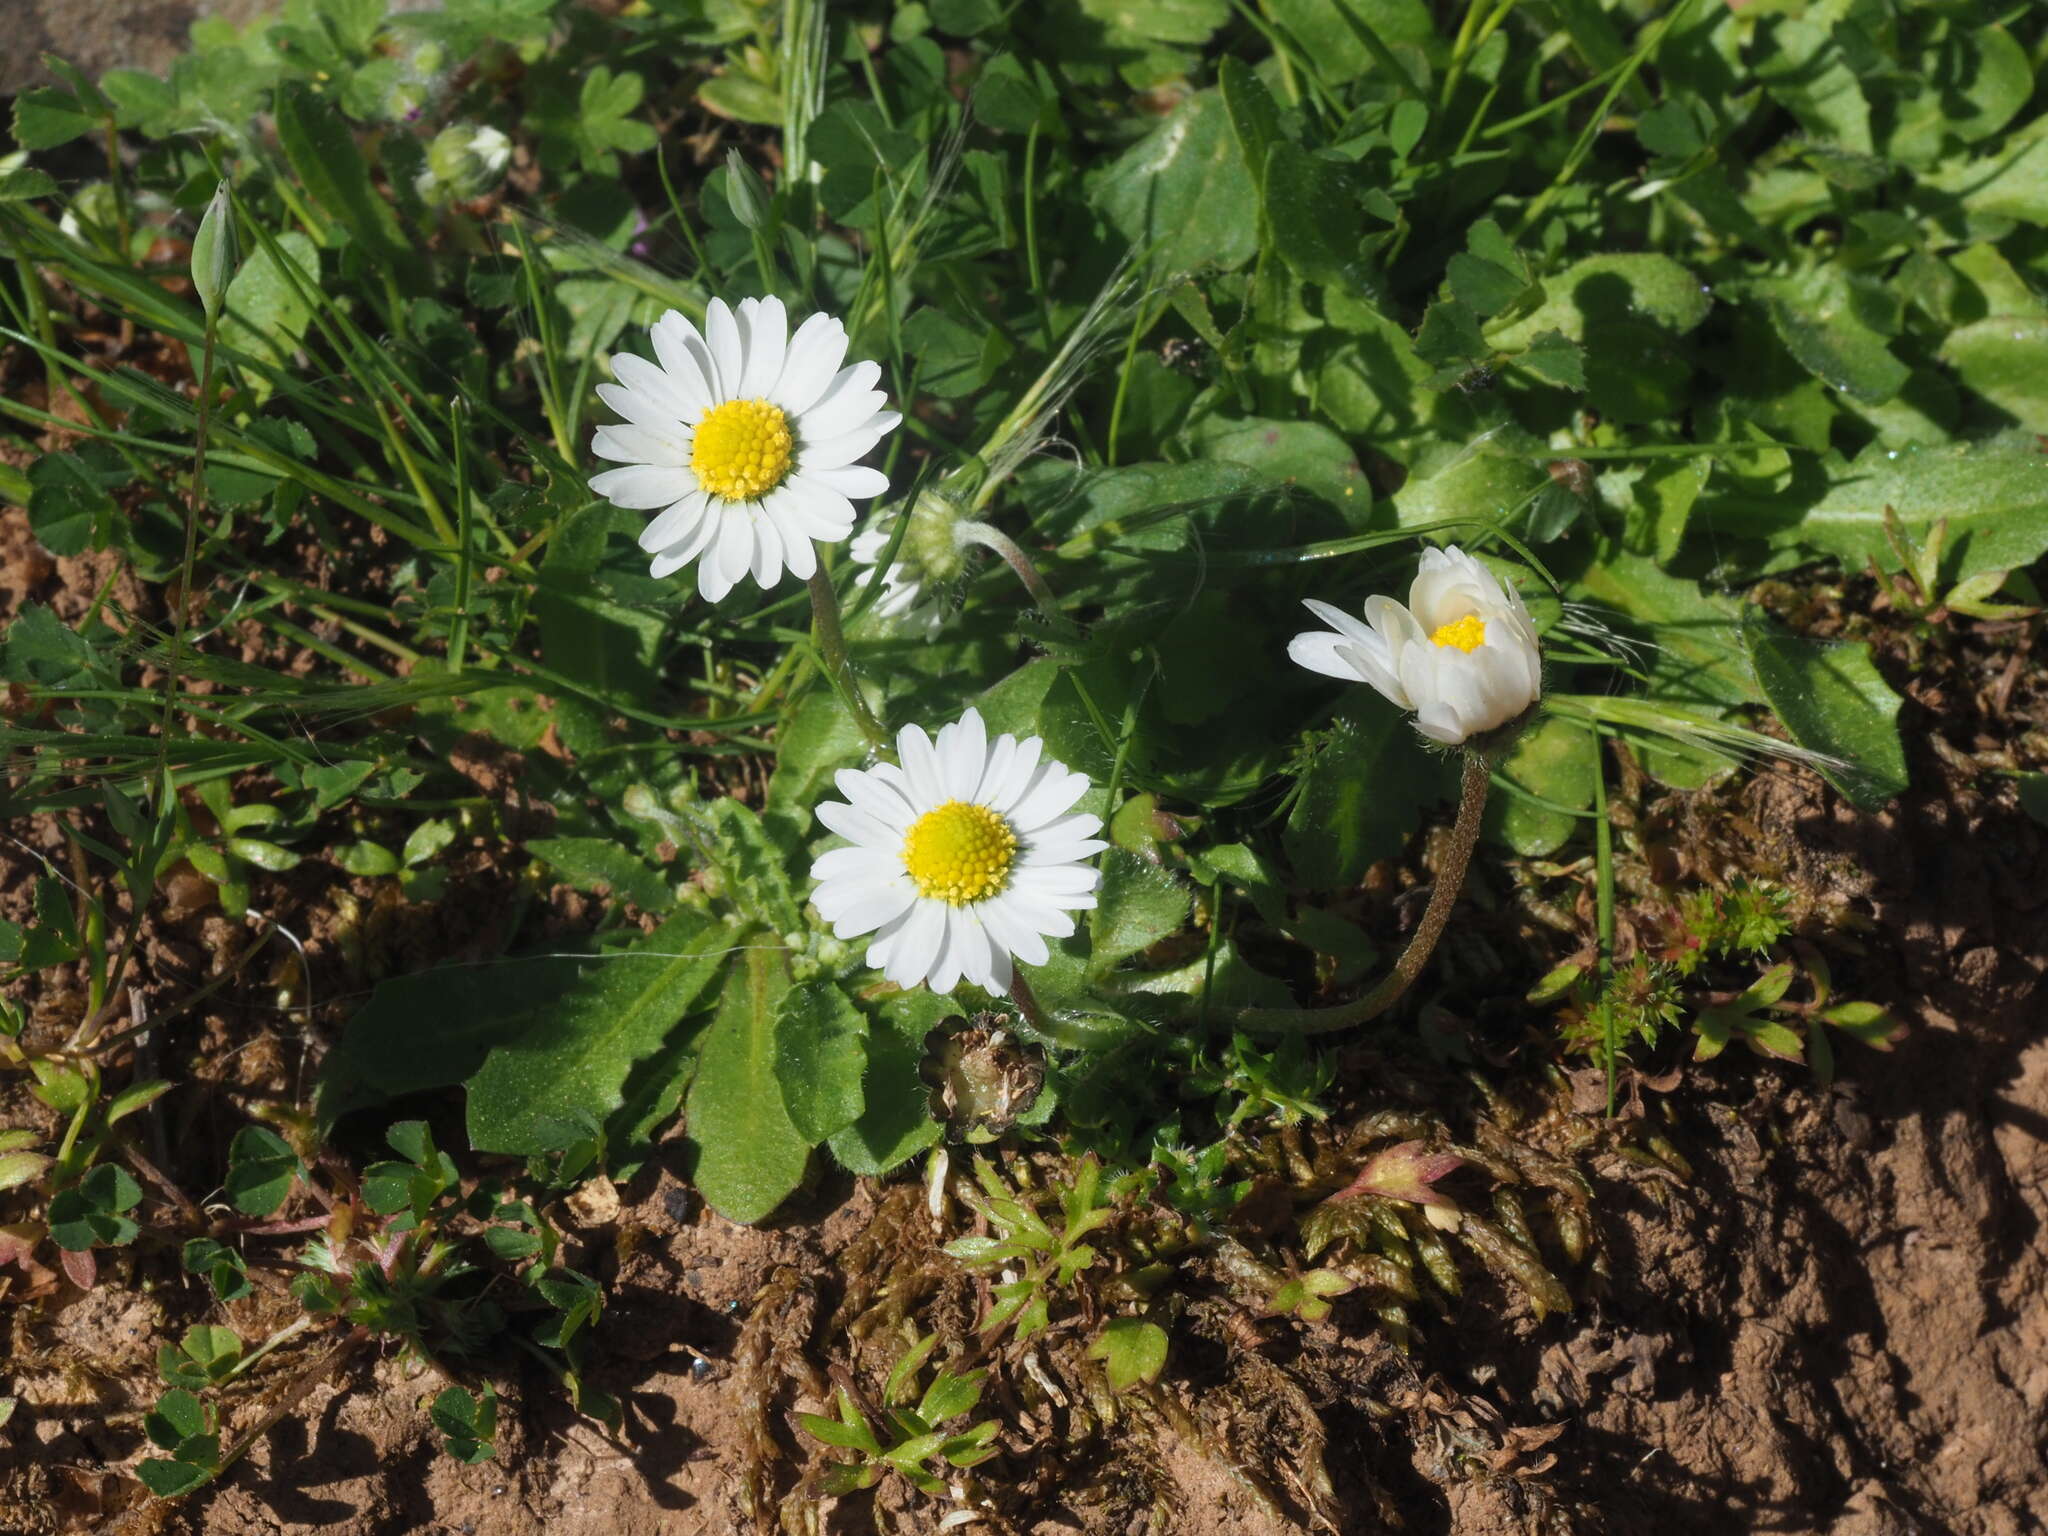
x=1462 y=654
x=742 y=439
x=965 y=856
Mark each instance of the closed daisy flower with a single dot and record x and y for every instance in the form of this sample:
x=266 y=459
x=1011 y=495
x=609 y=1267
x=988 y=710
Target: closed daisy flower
x=961 y=858
x=742 y=440
x=904 y=599
x=1462 y=653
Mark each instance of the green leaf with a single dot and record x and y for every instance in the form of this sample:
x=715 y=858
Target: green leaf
x=1818 y=319
x=832 y=1432
x=177 y=1417
x=1182 y=195
x=24 y=182
x=371 y=860
x=748 y=851
x=71 y=506
x=817 y=740
x=426 y=840
x=46 y=117
x=1555 y=763
x=1832 y=700
x=820 y=1056
x=2000 y=358
x=268 y=306
x=1139 y=904
x=1312 y=212
x=18 y=1168
x=950 y=1395
x=136 y=1096
x=570 y=1066
x=1254 y=114
x=895 y=1120
x=749 y=1153
x=172 y=1479
x=261 y=1167
x=1131 y=1350
x=1994 y=495
x=322 y=148
x=466 y=1423
x=1603 y=289
x=1556 y=359
x=1362 y=797
x=600 y=864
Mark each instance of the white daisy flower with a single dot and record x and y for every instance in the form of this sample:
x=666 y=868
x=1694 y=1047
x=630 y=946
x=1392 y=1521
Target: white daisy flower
x=904 y=600
x=961 y=858
x=1462 y=654
x=744 y=437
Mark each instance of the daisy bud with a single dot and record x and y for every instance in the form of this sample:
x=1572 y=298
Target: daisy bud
x=1461 y=653
x=464 y=161
x=213 y=252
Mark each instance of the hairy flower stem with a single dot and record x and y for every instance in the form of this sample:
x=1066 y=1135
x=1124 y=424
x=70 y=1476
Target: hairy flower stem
x=1450 y=880
x=990 y=537
x=1026 y=1001
x=829 y=637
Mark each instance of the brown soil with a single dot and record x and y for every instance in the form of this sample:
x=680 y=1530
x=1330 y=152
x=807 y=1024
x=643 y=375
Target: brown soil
x=1838 y=1324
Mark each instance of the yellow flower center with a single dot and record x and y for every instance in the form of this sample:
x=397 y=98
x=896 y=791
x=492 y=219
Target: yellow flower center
x=959 y=853
x=1467 y=634
x=742 y=449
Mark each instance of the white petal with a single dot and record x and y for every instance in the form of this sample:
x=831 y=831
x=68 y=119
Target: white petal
x=857 y=864
x=733 y=553
x=797 y=551
x=1320 y=651
x=764 y=340
x=857 y=826
x=722 y=331
x=849 y=480
x=850 y=399
x=1057 y=789
x=653 y=384
x=685 y=358
x=797 y=516
x=676 y=556
x=963 y=755
x=1343 y=623
x=837 y=452
x=712 y=582
x=812 y=362
x=1022 y=771
x=640 y=409
x=921 y=767
x=856 y=908
x=1055 y=882
x=642 y=487
x=917 y=948
x=996 y=768
x=873 y=794
x=1066 y=830
x=674 y=525
x=767 y=560
x=971 y=949
x=1038 y=915
x=629 y=444
x=1043 y=855
x=1007 y=927
x=821 y=512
